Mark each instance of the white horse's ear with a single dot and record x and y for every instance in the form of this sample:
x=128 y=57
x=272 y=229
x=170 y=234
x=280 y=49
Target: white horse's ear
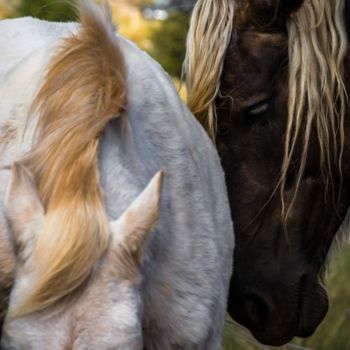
x=22 y=205
x=132 y=229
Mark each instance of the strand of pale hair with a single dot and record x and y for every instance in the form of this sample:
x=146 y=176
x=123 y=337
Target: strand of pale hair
x=208 y=39
x=83 y=90
x=317 y=95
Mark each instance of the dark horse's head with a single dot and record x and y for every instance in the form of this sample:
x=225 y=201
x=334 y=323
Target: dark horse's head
x=268 y=79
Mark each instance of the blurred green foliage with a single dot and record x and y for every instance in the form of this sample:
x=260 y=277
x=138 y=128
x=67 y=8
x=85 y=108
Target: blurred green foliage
x=51 y=10
x=169 y=42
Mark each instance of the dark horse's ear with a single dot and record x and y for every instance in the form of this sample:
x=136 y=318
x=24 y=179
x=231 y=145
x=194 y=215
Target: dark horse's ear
x=272 y=13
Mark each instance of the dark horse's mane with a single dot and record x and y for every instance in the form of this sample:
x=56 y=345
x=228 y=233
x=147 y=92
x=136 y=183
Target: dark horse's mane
x=317 y=91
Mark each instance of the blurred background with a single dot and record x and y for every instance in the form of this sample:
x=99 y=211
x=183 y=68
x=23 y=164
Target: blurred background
x=160 y=27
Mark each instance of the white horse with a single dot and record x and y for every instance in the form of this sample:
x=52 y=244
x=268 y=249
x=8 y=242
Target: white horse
x=112 y=294
x=90 y=118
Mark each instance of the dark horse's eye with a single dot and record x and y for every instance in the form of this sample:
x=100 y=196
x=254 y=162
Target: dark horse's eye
x=254 y=113
x=260 y=108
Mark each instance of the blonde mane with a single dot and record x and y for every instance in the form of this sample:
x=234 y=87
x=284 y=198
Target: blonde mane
x=208 y=39
x=84 y=89
x=317 y=96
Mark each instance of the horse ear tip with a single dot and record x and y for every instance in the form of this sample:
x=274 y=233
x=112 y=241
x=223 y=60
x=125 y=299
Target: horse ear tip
x=157 y=181
x=160 y=176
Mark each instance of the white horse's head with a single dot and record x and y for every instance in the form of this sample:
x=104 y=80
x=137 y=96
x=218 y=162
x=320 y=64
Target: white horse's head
x=105 y=312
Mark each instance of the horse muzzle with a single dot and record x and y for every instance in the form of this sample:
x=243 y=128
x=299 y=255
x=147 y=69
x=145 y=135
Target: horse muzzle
x=275 y=313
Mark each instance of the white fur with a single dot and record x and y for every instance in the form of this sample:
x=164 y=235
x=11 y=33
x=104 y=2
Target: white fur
x=106 y=313
x=188 y=259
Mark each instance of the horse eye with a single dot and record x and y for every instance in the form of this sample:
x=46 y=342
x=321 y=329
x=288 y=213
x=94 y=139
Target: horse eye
x=259 y=108
x=254 y=114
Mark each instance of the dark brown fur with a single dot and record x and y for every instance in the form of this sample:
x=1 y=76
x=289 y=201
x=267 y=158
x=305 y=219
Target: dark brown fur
x=275 y=290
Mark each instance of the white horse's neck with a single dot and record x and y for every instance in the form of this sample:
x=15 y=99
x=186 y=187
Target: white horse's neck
x=26 y=46
x=193 y=239
x=21 y=37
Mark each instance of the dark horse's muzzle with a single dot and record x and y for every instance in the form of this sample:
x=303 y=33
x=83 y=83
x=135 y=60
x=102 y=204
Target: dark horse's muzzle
x=276 y=312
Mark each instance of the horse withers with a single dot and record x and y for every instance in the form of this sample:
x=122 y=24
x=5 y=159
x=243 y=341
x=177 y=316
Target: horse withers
x=270 y=81
x=106 y=313
x=92 y=118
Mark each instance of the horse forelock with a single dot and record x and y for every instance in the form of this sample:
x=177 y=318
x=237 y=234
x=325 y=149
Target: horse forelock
x=84 y=88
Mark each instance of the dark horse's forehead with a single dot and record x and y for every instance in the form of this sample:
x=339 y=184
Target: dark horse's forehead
x=250 y=64
x=258 y=46
x=242 y=13
x=266 y=14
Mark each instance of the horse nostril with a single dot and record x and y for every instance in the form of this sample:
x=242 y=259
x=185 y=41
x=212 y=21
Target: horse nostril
x=256 y=310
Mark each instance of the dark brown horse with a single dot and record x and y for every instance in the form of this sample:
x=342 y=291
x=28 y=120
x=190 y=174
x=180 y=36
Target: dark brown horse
x=269 y=79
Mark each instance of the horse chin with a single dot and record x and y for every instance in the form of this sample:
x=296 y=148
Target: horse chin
x=270 y=334
x=313 y=309
x=297 y=318
x=268 y=339
x=312 y=312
